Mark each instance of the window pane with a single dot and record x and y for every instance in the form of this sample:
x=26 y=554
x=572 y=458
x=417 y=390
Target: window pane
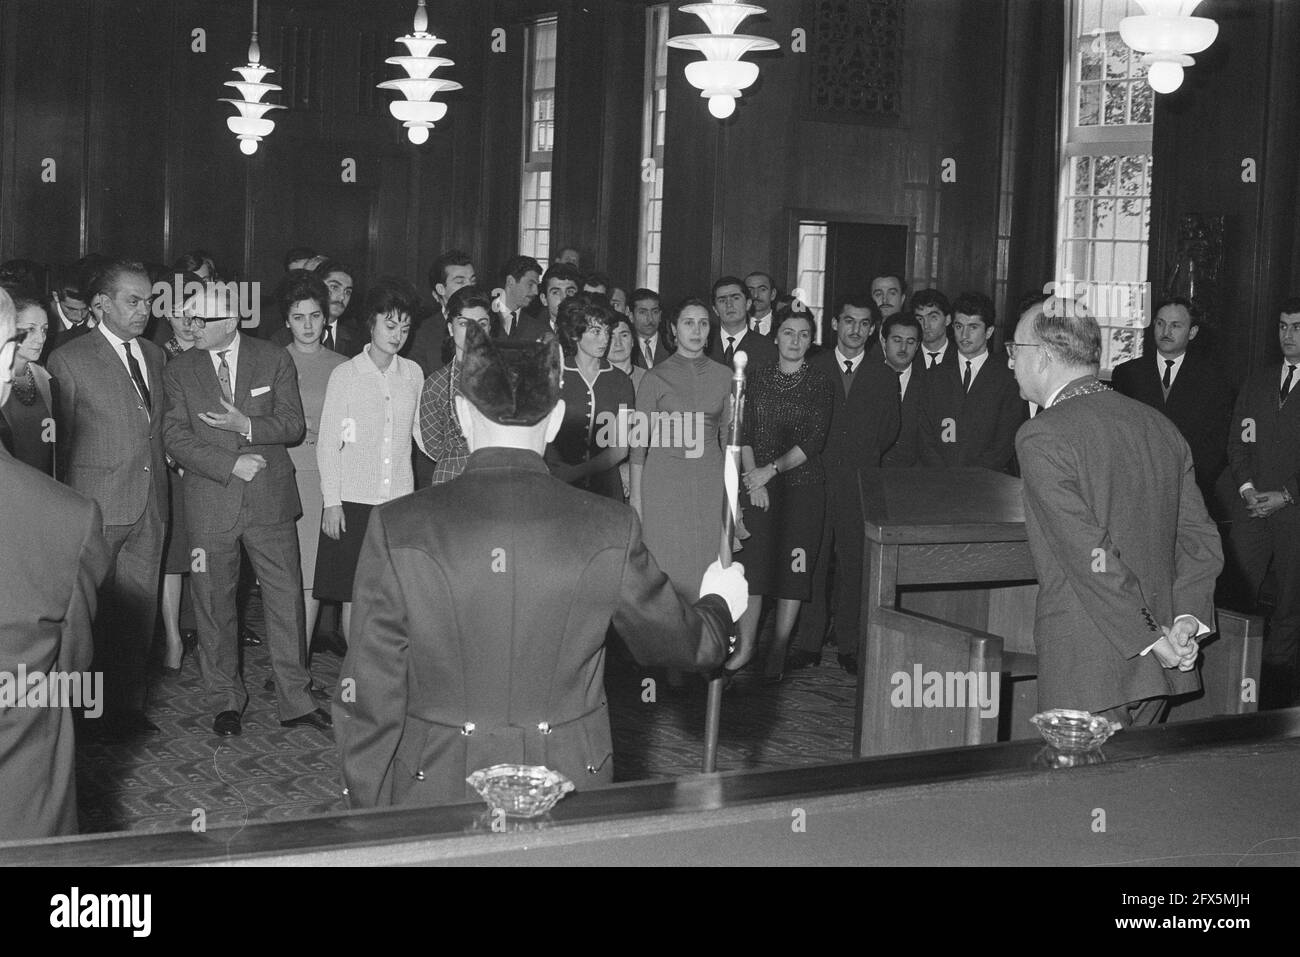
x=1117 y=52
x=1090 y=62
x=1103 y=219
x=1143 y=100
x=1083 y=175
x=1116 y=103
x=1089 y=104
x=810 y=270
x=1130 y=175
x=1104 y=176
x=654 y=109
x=1079 y=219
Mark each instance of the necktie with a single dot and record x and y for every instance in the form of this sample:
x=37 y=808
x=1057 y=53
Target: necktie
x=508 y=325
x=848 y=367
x=1286 y=383
x=730 y=352
x=965 y=379
x=899 y=373
x=647 y=353
x=223 y=376
x=1166 y=381
x=327 y=340
x=847 y=377
x=934 y=357
x=144 y=389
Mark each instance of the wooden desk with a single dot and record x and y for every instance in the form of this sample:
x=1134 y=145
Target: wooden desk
x=948 y=587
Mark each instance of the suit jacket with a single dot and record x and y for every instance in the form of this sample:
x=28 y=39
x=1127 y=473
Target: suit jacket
x=1199 y=403
x=110 y=444
x=531 y=327
x=52 y=559
x=976 y=429
x=864 y=423
x=213 y=496
x=906 y=452
x=921 y=361
x=480 y=618
x=1121 y=542
x=1269 y=453
x=761 y=350
x=662 y=351
x=58 y=336
x=425 y=345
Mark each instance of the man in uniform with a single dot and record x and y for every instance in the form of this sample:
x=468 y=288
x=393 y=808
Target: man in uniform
x=482 y=606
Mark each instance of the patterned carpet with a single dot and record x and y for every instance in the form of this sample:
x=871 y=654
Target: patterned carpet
x=187 y=777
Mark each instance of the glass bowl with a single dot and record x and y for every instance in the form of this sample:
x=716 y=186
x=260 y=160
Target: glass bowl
x=520 y=790
x=1074 y=731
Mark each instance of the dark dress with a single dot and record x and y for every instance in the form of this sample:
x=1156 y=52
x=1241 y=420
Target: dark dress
x=681 y=482
x=782 y=411
x=25 y=419
x=590 y=412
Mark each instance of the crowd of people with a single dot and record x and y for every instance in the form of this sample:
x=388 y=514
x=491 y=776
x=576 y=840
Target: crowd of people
x=235 y=463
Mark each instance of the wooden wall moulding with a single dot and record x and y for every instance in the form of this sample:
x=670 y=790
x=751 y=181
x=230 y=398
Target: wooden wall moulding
x=855 y=61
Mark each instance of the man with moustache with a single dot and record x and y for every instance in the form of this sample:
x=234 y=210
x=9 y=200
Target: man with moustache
x=972 y=405
x=934 y=313
x=762 y=293
x=53 y=558
x=1125 y=554
x=731 y=306
x=900 y=338
x=110 y=430
x=647 y=314
x=888 y=293
x=864 y=424
x=232 y=408
x=451 y=271
x=521 y=283
x=1264 y=452
x=1187 y=386
x=562 y=281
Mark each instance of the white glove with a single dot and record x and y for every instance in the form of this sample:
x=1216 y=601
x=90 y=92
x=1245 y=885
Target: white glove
x=728 y=584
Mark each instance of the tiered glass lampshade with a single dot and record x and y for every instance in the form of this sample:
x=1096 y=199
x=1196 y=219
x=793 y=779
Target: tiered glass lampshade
x=1167 y=35
x=722 y=76
x=251 y=123
x=417 y=111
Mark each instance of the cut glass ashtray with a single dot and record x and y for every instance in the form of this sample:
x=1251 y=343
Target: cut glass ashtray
x=1074 y=731
x=520 y=790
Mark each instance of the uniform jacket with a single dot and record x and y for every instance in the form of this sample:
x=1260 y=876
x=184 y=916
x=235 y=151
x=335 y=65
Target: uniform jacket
x=976 y=428
x=865 y=423
x=213 y=496
x=1199 y=403
x=52 y=561
x=1264 y=439
x=1121 y=543
x=110 y=444
x=480 y=618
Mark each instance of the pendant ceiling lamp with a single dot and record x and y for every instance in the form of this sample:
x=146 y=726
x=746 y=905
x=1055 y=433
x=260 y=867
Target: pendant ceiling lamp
x=1168 y=34
x=417 y=111
x=251 y=123
x=722 y=76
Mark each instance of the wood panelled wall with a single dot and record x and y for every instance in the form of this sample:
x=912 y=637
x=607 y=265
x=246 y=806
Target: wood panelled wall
x=1239 y=102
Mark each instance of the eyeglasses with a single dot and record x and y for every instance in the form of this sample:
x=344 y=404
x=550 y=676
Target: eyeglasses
x=202 y=321
x=1013 y=346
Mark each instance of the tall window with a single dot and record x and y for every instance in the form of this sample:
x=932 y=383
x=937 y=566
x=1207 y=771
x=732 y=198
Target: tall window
x=1105 y=191
x=654 y=114
x=539 y=141
x=811 y=269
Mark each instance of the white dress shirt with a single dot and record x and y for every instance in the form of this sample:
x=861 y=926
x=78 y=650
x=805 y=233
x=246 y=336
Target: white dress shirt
x=732 y=340
x=117 y=343
x=938 y=355
x=904 y=378
x=648 y=348
x=841 y=358
x=763 y=324
x=976 y=363
x=1173 y=370
x=364 y=452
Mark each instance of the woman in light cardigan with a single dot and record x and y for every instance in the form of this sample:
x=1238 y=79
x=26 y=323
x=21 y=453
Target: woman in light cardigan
x=364 y=450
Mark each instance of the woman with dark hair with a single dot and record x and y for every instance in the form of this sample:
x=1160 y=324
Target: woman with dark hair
x=589 y=447
x=787 y=416
x=27 y=417
x=364 y=446
x=304 y=302
x=683 y=406
x=622 y=341
x=437 y=430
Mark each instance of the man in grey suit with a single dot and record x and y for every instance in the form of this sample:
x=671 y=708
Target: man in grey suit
x=1125 y=553
x=111 y=450
x=232 y=408
x=52 y=560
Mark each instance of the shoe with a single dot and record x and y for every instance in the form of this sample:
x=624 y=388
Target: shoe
x=849 y=663
x=318 y=719
x=249 y=638
x=227 y=724
x=331 y=643
x=798 y=659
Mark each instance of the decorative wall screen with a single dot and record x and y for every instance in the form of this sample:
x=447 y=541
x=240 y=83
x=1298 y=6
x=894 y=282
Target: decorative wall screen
x=855 y=60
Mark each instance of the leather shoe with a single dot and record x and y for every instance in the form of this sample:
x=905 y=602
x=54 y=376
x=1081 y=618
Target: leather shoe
x=318 y=719
x=849 y=663
x=249 y=638
x=802 y=659
x=227 y=724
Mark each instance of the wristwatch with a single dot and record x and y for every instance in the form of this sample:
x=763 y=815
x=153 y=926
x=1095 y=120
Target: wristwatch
x=776 y=469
